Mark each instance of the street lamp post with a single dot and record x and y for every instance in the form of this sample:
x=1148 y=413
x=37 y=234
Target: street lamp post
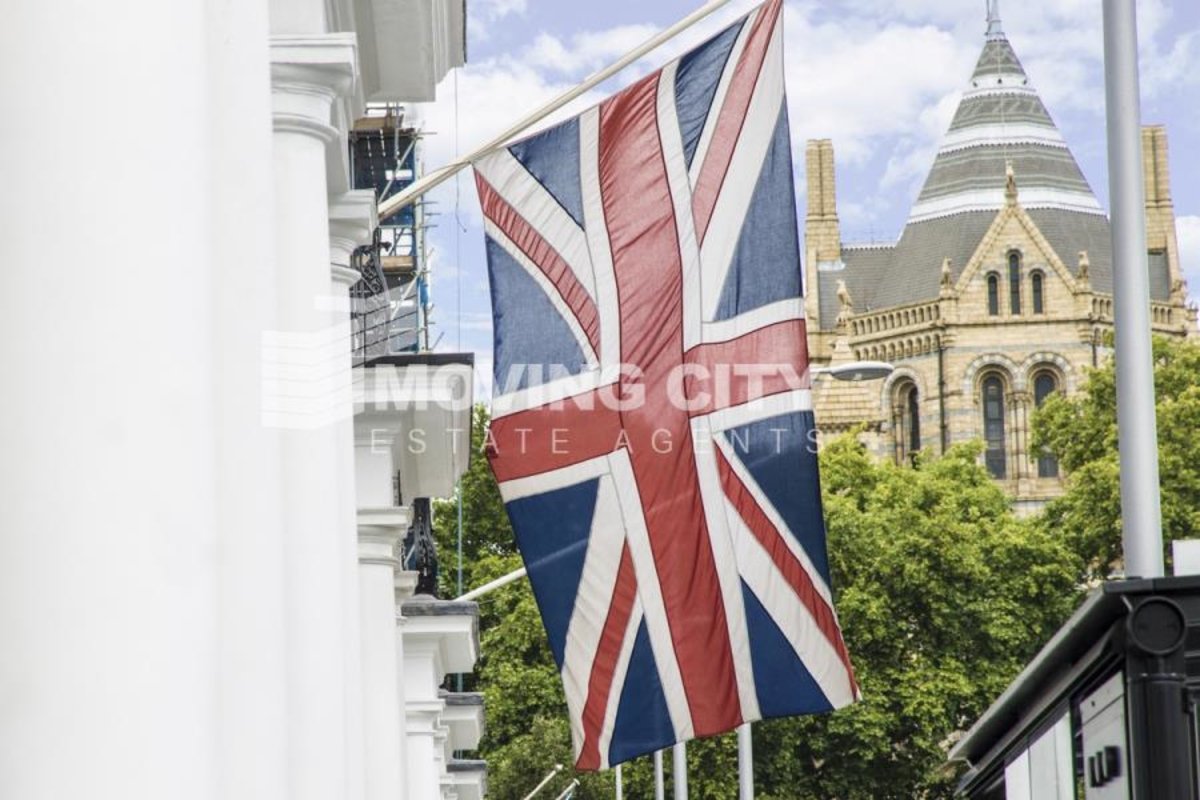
x=1141 y=515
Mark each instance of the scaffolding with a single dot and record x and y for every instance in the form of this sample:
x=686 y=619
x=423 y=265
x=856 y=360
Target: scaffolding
x=390 y=304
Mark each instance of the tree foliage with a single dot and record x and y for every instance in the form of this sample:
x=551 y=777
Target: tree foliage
x=1082 y=432
x=942 y=595
x=941 y=591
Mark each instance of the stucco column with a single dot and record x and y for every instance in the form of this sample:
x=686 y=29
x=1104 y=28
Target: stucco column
x=352 y=219
x=380 y=532
x=308 y=73
x=423 y=719
x=139 y=659
x=406 y=584
x=440 y=637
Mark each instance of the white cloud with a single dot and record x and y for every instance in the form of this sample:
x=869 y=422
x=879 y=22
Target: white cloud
x=587 y=51
x=860 y=82
x=483 y=14
x=492 y=10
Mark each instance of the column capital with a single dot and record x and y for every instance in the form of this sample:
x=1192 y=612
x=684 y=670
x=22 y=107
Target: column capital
x=353 y=217
x=379 y=533
x=309 y=72
x=406 y=586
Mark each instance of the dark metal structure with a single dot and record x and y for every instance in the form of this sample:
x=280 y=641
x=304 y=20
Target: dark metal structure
x=1106 y=710
x=420 y=550
x=391 y=302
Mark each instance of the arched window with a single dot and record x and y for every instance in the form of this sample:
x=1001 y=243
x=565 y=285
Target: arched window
x=1044 y=385
x=907 y=422
x=1014 y=282
x=993 y=426
x=994 y=294
x=1035 y=285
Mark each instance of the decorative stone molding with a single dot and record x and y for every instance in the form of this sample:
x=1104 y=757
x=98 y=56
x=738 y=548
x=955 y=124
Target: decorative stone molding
x=353 y=217
x=898 y=376
x=996 y=361
x=1056 y=362
x=379 y=532
x=315 y=92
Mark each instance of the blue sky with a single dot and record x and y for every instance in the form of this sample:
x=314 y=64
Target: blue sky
x=881 y=78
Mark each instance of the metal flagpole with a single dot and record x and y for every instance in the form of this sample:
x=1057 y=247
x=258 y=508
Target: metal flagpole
x=503 y=580
x=659 y=783
x=679 y=770
x=1141 y=515
x=549 y=777
x=620 y=786
x=442 y=174
x=745 y=763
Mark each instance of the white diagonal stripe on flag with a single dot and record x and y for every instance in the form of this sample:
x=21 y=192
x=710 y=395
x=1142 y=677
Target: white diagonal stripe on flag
x=541 y=210
x=749 y=154
x=650 y=594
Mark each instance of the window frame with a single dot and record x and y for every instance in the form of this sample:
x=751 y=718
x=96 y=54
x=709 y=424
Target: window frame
x=1037 y=291
x=995 y=446
x=1014 y=283
x=906 y=407
x=993 y=294
x=1047 y=464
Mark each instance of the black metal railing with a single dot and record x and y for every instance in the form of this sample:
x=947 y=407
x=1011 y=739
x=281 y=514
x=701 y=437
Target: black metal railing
x=383 y=308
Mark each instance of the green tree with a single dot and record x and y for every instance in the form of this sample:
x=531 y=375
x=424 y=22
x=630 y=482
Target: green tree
x=1081 y=431
x=942 y=595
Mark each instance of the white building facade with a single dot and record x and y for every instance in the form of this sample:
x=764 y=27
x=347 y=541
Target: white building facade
x=203 y=590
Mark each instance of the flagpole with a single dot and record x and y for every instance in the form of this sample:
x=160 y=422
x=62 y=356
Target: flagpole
x=503 y=580
x=1141 y=513
x=659 y=783
x=440 y=175
x=745 y=763
x=549 y=777
x=679 y=770
x=620 y=786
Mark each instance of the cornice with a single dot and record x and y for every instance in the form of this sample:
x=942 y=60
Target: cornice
x=286 y=122
x=353 y=217
x=308 y=73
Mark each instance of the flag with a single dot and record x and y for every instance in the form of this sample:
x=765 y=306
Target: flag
x=652 y=429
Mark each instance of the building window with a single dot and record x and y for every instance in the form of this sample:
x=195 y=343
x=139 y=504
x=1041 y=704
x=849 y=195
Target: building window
x=994 y=294
x=1035 y=285
x=1044 y=385
x=993 y=426
x=1014 y=282
x=907 y=422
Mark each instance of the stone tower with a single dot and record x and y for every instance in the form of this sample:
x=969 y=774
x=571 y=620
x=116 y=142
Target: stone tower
x=996 y=293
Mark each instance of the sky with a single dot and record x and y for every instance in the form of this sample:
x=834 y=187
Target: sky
x=881 y=78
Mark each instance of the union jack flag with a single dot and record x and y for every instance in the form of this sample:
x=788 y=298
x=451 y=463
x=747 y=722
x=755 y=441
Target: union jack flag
x=652 y=429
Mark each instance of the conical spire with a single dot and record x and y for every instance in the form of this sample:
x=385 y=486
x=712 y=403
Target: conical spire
x=1001 y=121
x=994 y=31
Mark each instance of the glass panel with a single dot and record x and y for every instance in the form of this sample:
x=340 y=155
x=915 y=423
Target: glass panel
x=1038 y=306
x=993 y=426
x=914 y=420
x=1045 y=385
x=993 y=295
x=1014 y=282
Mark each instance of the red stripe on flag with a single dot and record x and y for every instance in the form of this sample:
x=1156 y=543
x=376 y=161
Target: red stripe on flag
x=604 y=665
x=732 y=117
x=788 y=565
x=649 y=272
x=544 y=257
x=554 y=436
x=767 y=361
